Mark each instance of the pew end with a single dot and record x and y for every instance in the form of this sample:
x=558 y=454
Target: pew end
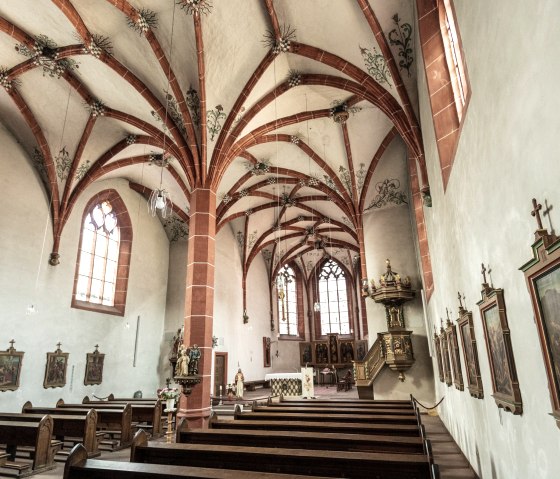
x=85 y=400
x=26 y=406
x=213 y=418
x=140 y=439
x=111 y=397
x=59 y=403
x=78 y=455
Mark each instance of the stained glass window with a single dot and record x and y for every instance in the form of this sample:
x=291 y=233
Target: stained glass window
x=333 y=299
x=286 y=290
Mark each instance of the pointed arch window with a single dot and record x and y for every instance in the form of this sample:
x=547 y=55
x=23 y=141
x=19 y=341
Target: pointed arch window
x=286 y=288
x=103 y=255
x=333 y=299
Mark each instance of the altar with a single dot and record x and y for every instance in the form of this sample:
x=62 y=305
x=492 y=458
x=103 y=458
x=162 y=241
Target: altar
x=287 y=384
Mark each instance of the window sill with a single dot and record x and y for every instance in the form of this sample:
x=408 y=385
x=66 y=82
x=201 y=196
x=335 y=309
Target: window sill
x=97 y=308
x=289 y=337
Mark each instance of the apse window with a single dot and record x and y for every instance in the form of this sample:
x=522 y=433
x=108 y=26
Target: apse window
x=287 y=302
x=333 y=299
x=99 y=256
x=454 y=56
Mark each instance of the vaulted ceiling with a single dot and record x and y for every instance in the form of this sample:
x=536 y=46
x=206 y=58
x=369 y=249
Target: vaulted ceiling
x=284 y=107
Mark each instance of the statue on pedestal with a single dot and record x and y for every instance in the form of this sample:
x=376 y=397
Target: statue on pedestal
x=194 y=357
x=238 y=381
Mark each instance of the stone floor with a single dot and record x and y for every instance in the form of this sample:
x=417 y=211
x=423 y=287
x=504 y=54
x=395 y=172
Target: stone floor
x=453 y=464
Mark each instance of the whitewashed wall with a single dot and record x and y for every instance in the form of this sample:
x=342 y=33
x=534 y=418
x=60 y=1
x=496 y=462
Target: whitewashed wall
x=242 y=342
x=22 y=226
x=388 y=234
x=507 y=154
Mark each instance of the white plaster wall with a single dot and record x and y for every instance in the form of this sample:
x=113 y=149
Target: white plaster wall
x=22 y=226
x=242 y=342
x=388 y=234
x=507 y=155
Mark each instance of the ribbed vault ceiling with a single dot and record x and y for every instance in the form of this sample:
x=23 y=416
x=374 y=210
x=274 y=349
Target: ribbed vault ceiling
x=237 y=95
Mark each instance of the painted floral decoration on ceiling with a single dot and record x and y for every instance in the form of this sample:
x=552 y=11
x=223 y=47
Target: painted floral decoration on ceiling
x=376 y=65
x=259 y=168
x=387 y=192
x=63 y=163
x=401 y=37
x=143 y=21
x=195 y=7
x=7 y=82
x=282 y=43
x=176 y=228
x=213 y=119
x=44 y=54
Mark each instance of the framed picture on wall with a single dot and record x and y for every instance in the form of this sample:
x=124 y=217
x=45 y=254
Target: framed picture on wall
x=55 y=371
x=542 y=274
x=361 y=349
x=305 y=354
x=470 y=353
x=266 y=352
x=439 y=362
x=94 y=367
x=451 y=332
x=444 y=343
x=500 y=353
x=10 y=368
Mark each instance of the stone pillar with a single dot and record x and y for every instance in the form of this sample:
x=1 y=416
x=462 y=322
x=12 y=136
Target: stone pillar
x=199 y=302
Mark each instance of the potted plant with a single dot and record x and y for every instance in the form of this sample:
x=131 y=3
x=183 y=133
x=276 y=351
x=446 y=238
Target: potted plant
x=169 y=395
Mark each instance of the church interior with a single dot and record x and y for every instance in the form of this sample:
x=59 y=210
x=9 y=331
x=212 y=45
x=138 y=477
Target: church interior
x=258 y=197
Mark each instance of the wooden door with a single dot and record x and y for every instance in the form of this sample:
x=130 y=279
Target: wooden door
x=220 y=373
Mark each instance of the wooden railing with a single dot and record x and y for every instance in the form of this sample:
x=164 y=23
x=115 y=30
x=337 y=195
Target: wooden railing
x=367 y=370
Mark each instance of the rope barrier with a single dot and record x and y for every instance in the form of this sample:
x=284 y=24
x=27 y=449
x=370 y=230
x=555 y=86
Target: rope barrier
x=425 y=407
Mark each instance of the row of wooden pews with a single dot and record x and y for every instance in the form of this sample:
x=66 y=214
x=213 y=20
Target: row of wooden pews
x=31 y=439
x=354 y=439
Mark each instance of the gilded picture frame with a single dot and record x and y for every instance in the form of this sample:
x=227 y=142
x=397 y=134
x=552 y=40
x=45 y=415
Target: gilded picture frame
x=542 y=275
x=470 y=353
x=505 y=385
x=444 y=343
x=451 y=333
x=55 y=369
x=94 y=367
x=439 y=362
x=10 y=368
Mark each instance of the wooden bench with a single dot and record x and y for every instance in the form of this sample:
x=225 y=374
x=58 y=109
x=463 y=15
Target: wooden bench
x=252 y=385
x=109 y=420
x=146 y=413
x=79 y=428
x=37 y=435
x=349 y=402
x=78 y=466
x=353 y=465
x=3 y=458
x=318 y=426
x=348 y=405
x=310 y=417
x=335 y=410
x=305 y=440
x=112 y=397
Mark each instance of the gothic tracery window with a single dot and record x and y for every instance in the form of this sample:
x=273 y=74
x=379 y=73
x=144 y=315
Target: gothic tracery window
x=286 y=289
x=333 y=299
x=102 y=266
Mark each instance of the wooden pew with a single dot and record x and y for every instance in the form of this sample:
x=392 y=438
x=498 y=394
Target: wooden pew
x=335 y=410
x=318 y=426
x=353 y=465
x=109 y=420
x=78 y=466
x=305 y=440
x=143 y=412
x=349 y=405
x=82 y=428
x=111 y=397
x=310 y=417
x=37 y=435
x=3 y=458
x=361 y=403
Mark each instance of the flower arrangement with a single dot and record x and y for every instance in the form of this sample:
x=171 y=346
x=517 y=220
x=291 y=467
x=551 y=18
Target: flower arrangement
x=168 y=393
